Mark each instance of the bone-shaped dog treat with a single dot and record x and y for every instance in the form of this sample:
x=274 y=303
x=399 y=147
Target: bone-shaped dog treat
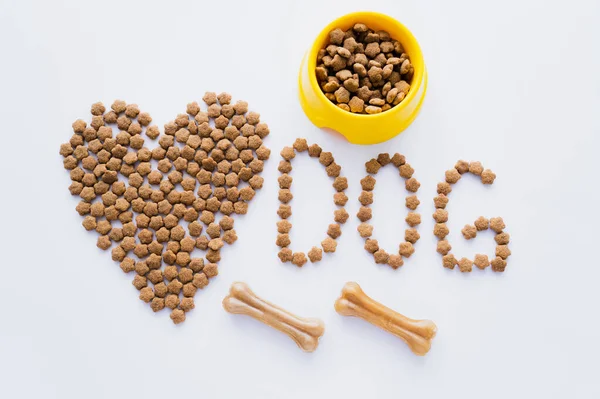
x=416 y=333
x=304 y=331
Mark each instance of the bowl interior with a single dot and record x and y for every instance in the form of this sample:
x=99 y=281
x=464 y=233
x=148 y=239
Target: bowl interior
x=375 y=21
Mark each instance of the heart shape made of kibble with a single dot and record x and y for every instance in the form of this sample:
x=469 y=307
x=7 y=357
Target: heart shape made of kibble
x=208 y=165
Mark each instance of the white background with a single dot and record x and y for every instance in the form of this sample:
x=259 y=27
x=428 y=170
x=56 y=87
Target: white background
x=514 y=84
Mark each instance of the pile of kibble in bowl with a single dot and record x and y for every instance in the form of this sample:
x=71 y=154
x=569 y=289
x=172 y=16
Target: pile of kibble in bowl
x=363 y=71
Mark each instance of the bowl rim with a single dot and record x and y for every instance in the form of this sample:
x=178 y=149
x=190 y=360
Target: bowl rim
x=417 y=77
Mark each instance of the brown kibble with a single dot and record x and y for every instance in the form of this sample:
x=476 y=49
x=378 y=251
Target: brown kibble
x=381 y=256
x=412 y=185
x=315 y=254
x=469 y=231
x=334 y=230
x=441 y=230
x=412 y=202
x=406 y=249
x=444 y=188
x=178 y=316
x=326 y=158
x=288 y=153
x=340 y=215
x=283 y=240
x=314 y=150
x=371 y=245
x=372 y=166
x=285 y=181
x=398 y=160
x=411 y=235
x=146 y=294
x=364 y=213
x=413 y=219
x=284 y=226
x=365 y=230
x=368 y=183
x=300 y=145
x=440 y=215
x=497 y=224
x=488 y=177
x=502 y=238
x=476 y=168
x=329 y=245
x=440 y=201
x=139 y=282
x=465 y=265
x=449 y=261
x=285 y=255
x=462 y=167
x=284 y=211
x=503 y=251
x=452 y=176
x=443 y=247
x=299 y=259
x=481 y=261
x=482 y=223
x=498 y=264
x=406 y=171
x=340 y=183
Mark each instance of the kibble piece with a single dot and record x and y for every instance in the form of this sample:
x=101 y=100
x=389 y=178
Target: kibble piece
x=412 y=185
x=413 y=219
x=440 y=215
x=482 y=223
x=285 y=255
x=481 y=261
x=444 y=188
x=469 y=232
x=315 y=254
x=341 y=215
x=462 y=167
x=395 y=261
x=488 y=177
x=449 y=261
x=283 y=226
x=364 y=214
x=329 y=245
x=452 y=176
x=440 y=201
x=371 y=245
x=283 y=240
x=299 y=259
x=497 y=224
x=365 y=230
x=406 y=249
x=411 y=235
x=381 y=256
x=503 y=251
x=368 y=183
x=334 y=230
x=498 y=264
x=443 y=247
x=288 y=153
x=502 y=238
x=465 y=265
x=340 y=199
x=284 y=211
x=157 y=304
x=476 y=168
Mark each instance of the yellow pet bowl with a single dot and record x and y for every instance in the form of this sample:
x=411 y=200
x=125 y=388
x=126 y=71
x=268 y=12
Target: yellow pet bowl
x=363 y=128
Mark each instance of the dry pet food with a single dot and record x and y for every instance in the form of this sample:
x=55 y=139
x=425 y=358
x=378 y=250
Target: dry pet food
x=364 y=71
x=305 y=332
x=416 y=333
x=469 y=231
x=340 y=184
x=209 y=161
x=364 y=214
